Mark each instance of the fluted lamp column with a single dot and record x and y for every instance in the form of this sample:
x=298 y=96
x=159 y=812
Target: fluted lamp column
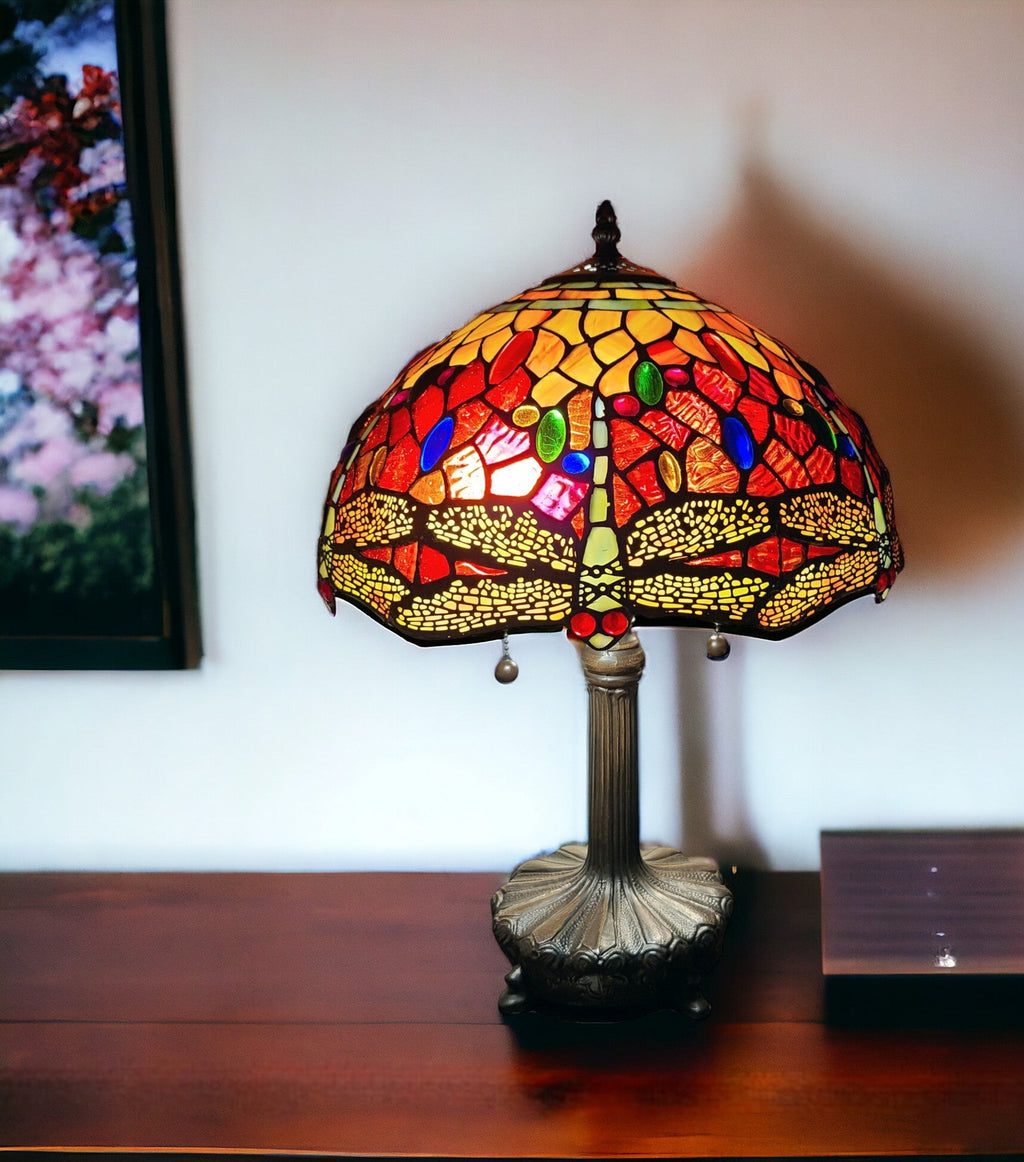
x=608 y=926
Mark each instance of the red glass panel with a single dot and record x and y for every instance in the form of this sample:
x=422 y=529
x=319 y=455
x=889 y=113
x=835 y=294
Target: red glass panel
x=378 y=555
x=853 y=477
x=761 y=386
x=668 y=430
x=405 y=560
x=765 y=556
x=728 y=359
x=624 y=501
x=469 y=419
x=629 y=443
x=470 y=382
x=402 y=465
x=427 y=410
x=791 y=554
x=645 y=480
x=716 y=384
x=821 y=465
x=762 y=482
x=469 y=569
x=795 y=433
x=512 y=390
x=756 y=415
x=513 y=355
x=401 y=425
x=433 y=565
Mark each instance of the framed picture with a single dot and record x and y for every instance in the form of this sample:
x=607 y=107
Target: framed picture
x=97 y=558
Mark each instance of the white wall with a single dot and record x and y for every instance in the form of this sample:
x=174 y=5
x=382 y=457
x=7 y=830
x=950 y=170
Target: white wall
x=356 y=178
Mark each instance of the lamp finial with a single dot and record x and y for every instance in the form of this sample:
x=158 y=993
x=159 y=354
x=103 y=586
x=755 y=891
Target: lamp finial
x=606 y=235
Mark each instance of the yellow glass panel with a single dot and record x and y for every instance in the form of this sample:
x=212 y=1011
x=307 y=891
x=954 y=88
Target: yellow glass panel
x=646 y=326
x=546 y=354
x=430 y=488
x=486 y=325
x=517 y=478
x=691 y=345
x=566 y=324
x=552 y=389
x=601 y=322
x=690 y=320
x=746 y=351
x=494 y=343
x=601 y=547
x=616 y=379
x=524 y=320
x=769 y=342
x=611 y=348
x=582 y=365
x=599 y=505
x=465 y=354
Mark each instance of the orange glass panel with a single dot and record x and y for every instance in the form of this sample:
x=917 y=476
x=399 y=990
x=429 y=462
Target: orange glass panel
x=579 y=410
x=629 y=443
x=469 y=419
x=696 y=412
x=756 y=415
x=469 y=569
x=647 y=326
x=789 y=385
x=581 y=365
x=785 y=465
x=552 y=389
x=709 y=469
x=601 y=322
x=692 y=345
x=566 y=324
x=611 y=348
x=547 y=353
x=430 y=489
x=616 y=379
x=494 y=343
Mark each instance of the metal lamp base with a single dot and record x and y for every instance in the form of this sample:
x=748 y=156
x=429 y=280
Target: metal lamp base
x=598 y=945
x=605 y=927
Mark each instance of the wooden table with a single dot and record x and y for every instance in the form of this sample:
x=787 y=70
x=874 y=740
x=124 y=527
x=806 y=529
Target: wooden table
x=355 y=1014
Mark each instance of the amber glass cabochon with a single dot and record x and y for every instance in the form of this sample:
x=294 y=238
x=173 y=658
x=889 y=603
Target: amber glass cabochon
x=603 y=451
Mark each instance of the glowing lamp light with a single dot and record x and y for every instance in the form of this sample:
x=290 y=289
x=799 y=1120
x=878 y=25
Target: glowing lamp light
x=603 y=451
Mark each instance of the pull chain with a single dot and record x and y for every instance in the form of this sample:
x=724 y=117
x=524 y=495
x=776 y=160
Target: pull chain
x=506 y=670
x=718 y=646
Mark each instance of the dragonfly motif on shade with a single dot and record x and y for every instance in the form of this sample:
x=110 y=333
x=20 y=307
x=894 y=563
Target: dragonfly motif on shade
x=606 y=449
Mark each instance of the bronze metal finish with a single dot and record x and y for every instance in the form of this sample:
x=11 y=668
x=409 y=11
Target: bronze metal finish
x=609 y=927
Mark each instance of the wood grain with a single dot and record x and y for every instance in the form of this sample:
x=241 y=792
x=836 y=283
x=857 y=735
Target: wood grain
x=355 y=1014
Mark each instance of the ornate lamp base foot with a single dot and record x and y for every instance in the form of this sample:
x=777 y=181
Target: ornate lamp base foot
x=592 y=944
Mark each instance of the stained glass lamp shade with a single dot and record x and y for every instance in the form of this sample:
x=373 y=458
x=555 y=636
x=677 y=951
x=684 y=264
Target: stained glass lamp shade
x=601 y=452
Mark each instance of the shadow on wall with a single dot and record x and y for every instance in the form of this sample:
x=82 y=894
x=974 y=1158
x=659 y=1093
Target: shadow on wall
x=946 y=416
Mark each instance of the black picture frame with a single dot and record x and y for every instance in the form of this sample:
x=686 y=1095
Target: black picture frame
x=163 y=632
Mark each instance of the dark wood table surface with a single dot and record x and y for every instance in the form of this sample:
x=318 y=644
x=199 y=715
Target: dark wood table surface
x=355 y=1014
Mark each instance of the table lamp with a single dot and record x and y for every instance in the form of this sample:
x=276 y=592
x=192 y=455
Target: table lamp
x=604 y=451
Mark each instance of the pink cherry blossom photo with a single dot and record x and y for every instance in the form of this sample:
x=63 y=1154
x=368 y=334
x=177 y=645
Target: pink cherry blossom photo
x=97 y=564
